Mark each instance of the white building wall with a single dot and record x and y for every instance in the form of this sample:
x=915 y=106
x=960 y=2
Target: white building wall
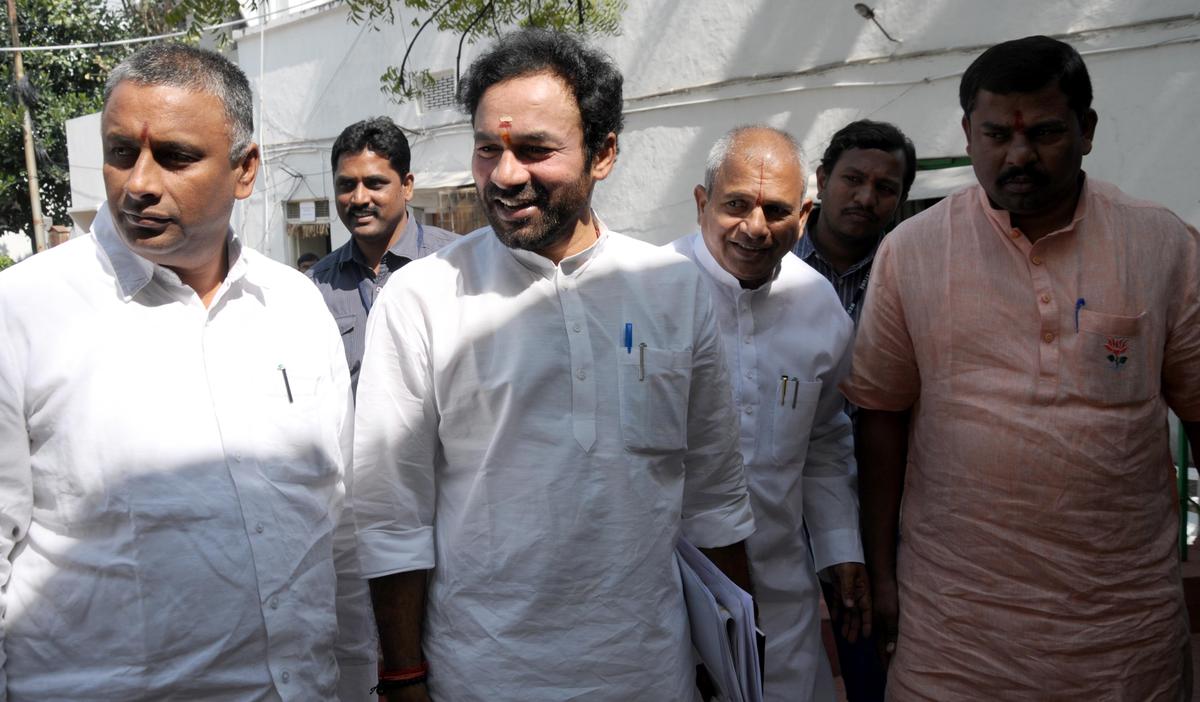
x=693 y=69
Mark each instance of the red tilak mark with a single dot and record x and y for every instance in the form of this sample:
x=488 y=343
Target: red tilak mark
x=505 y=125
x=145 y=132
x=1018 y=122
x=758 y=201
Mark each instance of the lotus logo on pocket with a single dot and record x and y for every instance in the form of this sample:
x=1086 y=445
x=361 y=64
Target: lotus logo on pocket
x=1117 y=346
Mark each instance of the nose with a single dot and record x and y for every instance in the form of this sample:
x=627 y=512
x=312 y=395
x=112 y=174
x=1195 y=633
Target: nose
x=144 y=182
x=509 y=172
x=865 y=196
x=359 y=196
x=755 y=223
x=1021 y=151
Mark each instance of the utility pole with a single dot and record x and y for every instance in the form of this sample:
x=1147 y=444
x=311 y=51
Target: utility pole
x=35 y=199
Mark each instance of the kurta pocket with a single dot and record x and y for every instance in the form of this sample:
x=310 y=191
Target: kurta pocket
x=792 y=422
x=1111 y=360
x=654 y=388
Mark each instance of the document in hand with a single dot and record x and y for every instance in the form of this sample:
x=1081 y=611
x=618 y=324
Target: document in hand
x=722 y=621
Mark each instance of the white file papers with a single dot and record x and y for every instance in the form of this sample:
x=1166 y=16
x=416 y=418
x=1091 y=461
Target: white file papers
x=722 y=621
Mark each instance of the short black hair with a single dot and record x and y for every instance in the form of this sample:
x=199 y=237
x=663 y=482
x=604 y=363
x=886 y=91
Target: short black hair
x=306 y=257
x=867 y=134
x=1026 y=66
x=590 y=74
x=379 y=134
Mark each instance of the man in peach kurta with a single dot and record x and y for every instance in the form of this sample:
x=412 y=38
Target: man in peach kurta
x=1020 y=345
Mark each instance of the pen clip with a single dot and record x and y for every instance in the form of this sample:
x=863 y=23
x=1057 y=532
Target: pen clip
x=641 y=362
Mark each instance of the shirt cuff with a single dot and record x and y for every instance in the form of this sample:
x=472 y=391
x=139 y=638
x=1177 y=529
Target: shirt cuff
x=720 y=527
x=355 y=682
x=836 y=546
x=383 y=553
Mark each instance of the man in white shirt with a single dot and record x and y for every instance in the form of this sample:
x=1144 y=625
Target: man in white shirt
x=787 y=341
x=174 y=424
x=543 y=411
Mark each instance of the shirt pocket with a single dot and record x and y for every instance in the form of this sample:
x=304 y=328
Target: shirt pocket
x=654 y=387
x=792 y=423
x=1112 y=361
x=295 y=436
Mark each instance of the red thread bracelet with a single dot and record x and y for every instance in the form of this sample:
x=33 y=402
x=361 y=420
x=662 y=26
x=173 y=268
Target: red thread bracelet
x=404 y=674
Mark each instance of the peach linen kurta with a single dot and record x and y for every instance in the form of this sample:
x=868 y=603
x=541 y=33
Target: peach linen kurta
x=1037 y=555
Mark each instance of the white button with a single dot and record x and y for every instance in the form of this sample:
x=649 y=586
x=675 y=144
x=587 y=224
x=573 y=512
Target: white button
x=286 y=676
x=259 y=527
x=749 y=410
x=274 y=603
x=578 y=327
x=749 y=374
x=581 y=374
x=237 y=458
x=747 y=340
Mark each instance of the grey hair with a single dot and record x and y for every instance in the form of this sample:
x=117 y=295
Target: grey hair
x=720 y=152
x=197 y=70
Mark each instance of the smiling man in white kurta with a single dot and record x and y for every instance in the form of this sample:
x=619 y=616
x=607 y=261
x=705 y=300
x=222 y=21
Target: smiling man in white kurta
x=543 y=411
x=787 y=341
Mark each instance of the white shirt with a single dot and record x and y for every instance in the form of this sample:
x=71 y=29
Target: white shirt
x=798 y=450
x=507 y=439
x=166 y=513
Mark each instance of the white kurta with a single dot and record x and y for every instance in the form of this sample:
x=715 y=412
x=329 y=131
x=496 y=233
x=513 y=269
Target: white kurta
x=798 y=451
x=507 y=439
x=167 y=516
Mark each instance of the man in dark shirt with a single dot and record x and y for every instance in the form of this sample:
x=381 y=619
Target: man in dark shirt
x=863 y=179
x=373 y=185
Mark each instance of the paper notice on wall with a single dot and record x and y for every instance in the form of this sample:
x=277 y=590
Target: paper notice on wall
x=308 y=211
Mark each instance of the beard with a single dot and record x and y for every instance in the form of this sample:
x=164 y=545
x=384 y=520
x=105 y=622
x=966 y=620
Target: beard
x=557 y=212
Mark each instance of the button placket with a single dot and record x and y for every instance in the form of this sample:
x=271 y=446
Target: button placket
x=582 y=362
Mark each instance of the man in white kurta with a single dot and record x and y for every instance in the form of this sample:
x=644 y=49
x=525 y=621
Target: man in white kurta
x=510 y=441
x=169 y=499
x=543 y=412
x=787 y=341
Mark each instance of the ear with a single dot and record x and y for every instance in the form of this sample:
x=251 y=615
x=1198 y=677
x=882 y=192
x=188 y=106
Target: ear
x=822 y=178
x=406 y=186
x=806 y=210
x=966 y=127
x=701 y=196
x=605 y=157
x=1089 y=130
x=245 y=171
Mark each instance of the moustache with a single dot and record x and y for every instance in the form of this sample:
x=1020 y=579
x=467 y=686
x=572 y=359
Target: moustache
x=862 y=211
x=1031 y=173
x=527 y=194
x=363 y=211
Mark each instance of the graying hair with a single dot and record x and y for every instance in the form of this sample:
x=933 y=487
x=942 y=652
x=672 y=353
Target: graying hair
x=197 y=70
x=720 y=152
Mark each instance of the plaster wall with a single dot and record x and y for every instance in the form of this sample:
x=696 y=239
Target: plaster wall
x=694 y=69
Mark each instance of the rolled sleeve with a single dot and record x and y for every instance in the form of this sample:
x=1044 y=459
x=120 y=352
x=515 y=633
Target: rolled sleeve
x=395 y=441
x=716 y=504
x=884 y=374
x=1181 y=357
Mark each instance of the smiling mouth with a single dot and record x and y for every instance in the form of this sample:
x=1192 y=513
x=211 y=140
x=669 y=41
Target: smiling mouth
x=514 y=209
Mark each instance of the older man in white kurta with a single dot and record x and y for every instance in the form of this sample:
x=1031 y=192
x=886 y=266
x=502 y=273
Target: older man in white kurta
x=787 y=341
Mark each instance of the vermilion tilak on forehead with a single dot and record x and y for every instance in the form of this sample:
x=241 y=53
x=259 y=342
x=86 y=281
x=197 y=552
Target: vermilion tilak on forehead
x=758 y=201
x=505 y=126
x=145 y=132
x=1018 y=121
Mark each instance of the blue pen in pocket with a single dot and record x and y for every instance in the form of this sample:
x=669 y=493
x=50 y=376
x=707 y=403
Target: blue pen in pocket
x=628 y=337
x=1078 y=306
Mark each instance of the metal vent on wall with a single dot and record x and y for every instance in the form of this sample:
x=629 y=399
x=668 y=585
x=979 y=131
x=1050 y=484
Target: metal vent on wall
x=321 y=209
x=439 y=96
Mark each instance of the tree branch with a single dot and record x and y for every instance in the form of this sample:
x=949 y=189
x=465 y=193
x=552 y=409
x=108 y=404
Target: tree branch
x=413 y=43
x=461 y=39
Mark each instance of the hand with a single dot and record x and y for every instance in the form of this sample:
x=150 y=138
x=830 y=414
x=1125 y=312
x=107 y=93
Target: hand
x=412 y=693
x=887 y=617
x=853 y=605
